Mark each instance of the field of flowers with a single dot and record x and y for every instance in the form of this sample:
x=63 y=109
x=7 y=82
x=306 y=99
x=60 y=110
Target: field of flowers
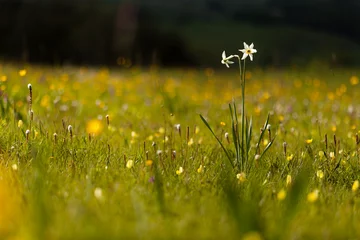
x=97 y=153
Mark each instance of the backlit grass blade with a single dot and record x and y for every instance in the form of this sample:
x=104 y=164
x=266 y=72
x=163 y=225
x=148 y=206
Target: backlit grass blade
x=262 y=132
x=222 y=146
x=267 y=147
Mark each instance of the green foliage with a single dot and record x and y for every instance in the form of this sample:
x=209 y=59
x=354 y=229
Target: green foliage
x=137 y=176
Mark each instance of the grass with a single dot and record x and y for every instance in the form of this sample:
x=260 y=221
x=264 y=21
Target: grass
x=86 y=187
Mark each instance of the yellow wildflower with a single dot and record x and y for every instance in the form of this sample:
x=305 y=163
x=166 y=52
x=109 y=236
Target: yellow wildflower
x=313 y=196
x=162 y=130
x=14 y=167
x=241 y=176
x=320 y=174
x=200 y=169
x=281 y=195
x=134 y=134
x=197 y=130
x=308 y=141
x=148 y=162
x=20 y=123
x=290 y=157
x=130 y=164
x=180 y=171
x=354 y=80
x=355 y=186
x=22 y=73
x=94 y=126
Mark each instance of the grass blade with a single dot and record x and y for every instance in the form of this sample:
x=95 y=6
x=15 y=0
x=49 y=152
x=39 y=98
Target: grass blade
x=222 y=146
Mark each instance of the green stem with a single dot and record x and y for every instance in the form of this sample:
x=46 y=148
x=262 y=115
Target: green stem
x=242 y=129
x=243 y=116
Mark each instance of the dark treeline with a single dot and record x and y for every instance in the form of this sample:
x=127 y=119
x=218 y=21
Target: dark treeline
x=99 y=32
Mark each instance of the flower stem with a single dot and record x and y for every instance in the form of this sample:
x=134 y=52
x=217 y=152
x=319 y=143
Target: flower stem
x=243 y=118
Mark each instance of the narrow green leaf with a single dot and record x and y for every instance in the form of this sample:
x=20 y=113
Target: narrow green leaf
x=208 y=126
x=234 y=127
x=248 y=142
x=267 y=147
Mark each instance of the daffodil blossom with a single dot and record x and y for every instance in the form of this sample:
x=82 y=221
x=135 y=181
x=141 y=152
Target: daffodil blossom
x=226 y=60
x=248 y=51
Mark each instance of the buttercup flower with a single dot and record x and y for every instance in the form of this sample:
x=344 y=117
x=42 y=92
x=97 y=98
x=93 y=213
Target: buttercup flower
x=248 y=51
x=226 y=60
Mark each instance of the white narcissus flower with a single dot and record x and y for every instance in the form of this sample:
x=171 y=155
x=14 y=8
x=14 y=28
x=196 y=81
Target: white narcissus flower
x=248 y=51
x=226 y=60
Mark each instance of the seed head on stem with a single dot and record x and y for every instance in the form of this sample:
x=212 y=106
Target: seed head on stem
x=27 y=134
x=55 y=137
x=108 y=120
x=70 y=129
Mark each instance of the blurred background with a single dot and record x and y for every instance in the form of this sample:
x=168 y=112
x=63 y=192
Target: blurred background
x=180 y=32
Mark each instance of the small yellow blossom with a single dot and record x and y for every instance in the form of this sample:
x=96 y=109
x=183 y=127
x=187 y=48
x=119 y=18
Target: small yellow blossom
x=290 y=157
x=22 y=73
x=241 y=177
x=14 y=167
x=191 y=142
x=129 y=164
x=320 y=174
x=321 y=154
x=94 y=126
x=179 y=171
x=355 y=186
x=3 y=78
x=200 y=169
x=332 y=155
x=308 y=141
x=98 y=193
x=162 y=130
x=354 y=80
x=313 y=196
x=222 y=124
x=281 y=195
x=148 y=162
x=197 y=130
x=266 y=141
x=288 y=180
x=134 y=134
x=20 y=124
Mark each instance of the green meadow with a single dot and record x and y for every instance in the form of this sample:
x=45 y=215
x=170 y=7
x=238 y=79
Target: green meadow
x=122 y=153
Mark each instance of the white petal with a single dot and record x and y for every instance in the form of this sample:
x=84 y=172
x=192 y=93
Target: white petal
x=246 y=46
x=244 y=56
x=223 y=55
x=230 y=62
x=242 y=50
x=252 y=45
x=251 y=57
x=253 y=51
x=227 y=65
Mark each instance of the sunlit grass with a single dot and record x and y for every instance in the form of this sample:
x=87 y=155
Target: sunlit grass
x=138 y=162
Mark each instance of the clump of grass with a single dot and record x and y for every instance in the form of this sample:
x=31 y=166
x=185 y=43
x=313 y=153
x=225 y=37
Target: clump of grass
x=242 y=131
